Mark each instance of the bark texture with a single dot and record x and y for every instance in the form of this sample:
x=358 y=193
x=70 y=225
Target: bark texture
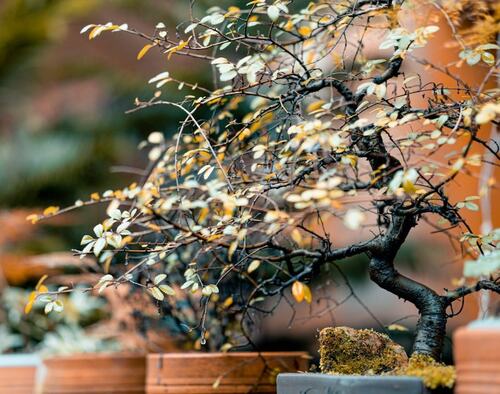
x=431 y=326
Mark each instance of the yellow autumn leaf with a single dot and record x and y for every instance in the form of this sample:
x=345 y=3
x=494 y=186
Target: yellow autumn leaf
x=233 y=11
x=304 y=31
x=52 y=210
x=352 y=160
x=315 y=106
x=324 y=19
x=253 y=266
x=246 y=132
x=97 y=30
x=213 y=237
x=40 y=282
x=289 y=25
x=33 y=218
x=126 y=240
x=31 y=301
x=177 y=48
x=228 y=302
x=144 y=50
x=42 y=289
x=296 y=236
x=396 y=327
x=301 y=292
x=225 y=348
x=409 y=187
x=154 y=227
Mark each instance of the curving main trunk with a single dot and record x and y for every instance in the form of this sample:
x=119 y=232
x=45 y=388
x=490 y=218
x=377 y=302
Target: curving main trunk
x=431 y=330
x=431 y=326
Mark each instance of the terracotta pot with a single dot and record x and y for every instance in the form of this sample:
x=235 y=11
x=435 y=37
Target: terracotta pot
x=94 y=373
x=477 y=360
x=17 y=374
x=201 y=373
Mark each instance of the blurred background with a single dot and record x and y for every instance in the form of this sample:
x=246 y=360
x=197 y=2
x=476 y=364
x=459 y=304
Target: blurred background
x=64 y=134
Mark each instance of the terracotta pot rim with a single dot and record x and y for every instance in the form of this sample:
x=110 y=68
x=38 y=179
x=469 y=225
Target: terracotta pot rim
x=88 y=356
x=228 y=354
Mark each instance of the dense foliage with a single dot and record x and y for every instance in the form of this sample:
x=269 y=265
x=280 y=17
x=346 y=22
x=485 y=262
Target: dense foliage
x=312 y=120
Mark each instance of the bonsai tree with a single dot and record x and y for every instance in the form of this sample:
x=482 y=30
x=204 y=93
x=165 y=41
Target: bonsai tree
x=311 y=119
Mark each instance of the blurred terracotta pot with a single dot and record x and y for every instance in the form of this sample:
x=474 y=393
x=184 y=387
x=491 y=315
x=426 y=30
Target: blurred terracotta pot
x=202 y=373
x=17 y=374
x=94 y=373
x=477 y=360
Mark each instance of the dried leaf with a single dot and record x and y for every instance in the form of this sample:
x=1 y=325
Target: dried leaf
x=177 y=48
x=299 y=291
x=216 y=384
x=144 y=50
x=50 y=211
x=40 y=282
x=30 y=303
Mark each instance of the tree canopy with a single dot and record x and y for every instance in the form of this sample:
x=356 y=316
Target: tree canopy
x=313 y=116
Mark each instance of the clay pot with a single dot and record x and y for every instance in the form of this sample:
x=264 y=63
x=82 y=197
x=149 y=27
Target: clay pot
x=477 y=360
x=94 y=373
x=202 y=373
x=17 y=374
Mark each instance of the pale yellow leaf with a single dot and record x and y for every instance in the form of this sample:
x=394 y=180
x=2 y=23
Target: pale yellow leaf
x=298 y=291
x=315 y=106
x=397 y=327
x=156 y=293
x=50 y=211
x=253 y=266
x=144 y=50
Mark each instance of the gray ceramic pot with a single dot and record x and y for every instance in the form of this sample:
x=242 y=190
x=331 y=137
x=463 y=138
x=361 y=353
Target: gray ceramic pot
x=317 y=383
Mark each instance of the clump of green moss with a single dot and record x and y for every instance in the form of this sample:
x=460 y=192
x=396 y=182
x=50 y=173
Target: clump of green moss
x=344 y=350
x=433 y=373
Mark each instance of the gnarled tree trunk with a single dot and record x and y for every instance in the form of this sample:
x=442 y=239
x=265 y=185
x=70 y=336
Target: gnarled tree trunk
x=431 y=327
